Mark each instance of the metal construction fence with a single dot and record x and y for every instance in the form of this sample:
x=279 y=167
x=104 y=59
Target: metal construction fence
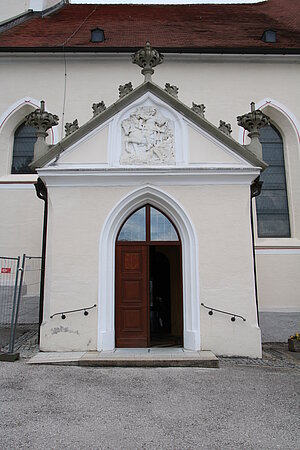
x=19 y=297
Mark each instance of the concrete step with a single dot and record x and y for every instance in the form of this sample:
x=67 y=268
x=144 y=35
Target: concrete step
x=134 y=357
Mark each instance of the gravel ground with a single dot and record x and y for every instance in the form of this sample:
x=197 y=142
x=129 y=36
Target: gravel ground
x=234 y=407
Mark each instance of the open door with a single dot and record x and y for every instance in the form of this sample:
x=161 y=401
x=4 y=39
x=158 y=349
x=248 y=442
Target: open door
x=132 y=296
x=148 y=281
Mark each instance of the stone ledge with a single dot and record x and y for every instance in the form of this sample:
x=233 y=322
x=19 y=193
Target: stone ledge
x=153 y=357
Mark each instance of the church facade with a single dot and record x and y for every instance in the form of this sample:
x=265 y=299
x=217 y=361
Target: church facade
x=157 y=232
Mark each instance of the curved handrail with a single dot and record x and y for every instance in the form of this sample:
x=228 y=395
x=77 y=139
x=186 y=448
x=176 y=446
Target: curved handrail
x=233 y=316
x=63 y=313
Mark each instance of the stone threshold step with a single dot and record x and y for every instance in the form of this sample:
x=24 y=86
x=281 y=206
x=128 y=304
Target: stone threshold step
x=153 y=357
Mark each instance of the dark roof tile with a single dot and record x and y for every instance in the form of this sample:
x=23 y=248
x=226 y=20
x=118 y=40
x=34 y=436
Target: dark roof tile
x=187 y=27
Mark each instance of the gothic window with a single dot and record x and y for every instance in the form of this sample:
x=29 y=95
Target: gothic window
x=148 y=224
x=24 y=140
x=272 y=203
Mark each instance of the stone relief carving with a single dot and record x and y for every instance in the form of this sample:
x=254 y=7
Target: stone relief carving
x=147 y=138
x=199 y=109
x=125 y=89
x=172 y=89
x=225 y=127
x=42 y=120
x=98 y=108
x=70 y=127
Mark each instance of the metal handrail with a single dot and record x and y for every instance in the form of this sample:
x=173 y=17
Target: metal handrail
x=233 y=316
x=63 y=313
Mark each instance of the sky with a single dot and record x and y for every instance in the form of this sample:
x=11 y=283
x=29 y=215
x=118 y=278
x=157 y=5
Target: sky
x=165 y=1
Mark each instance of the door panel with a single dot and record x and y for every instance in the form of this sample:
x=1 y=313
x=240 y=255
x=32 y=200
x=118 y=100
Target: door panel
x=131 y=296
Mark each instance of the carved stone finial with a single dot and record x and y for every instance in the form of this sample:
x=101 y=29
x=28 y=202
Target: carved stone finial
x=147 y=58
x=98 y=108
x=70 y=127
x=252 y=122
x=225 y=127
x=125 y=89
x=171 y=89
x=41 y=120
x=199 y=109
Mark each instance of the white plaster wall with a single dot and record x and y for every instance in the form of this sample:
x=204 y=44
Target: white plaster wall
x=279 y=273
x=203 y=150
x=221 y=219
x=95 y=78
x=225 y=87
x=11 y=8
x=92 y=150
x=21 y=220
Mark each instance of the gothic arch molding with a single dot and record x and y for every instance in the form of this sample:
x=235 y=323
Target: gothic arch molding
x=191 y=297
x=281 y=117
x=10 y=120
x=288 y=126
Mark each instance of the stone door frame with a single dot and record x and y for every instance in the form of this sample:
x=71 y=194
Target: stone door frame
x=106 y=292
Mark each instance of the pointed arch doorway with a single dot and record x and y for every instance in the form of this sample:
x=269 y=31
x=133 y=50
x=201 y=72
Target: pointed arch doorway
x=148 y=291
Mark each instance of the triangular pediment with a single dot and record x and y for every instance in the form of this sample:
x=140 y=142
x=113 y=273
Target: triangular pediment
x=149 y=127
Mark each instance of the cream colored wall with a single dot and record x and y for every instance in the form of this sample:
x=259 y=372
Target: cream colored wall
x=202 y=150
x=221 y=220
x=11 y=8
x=278 y=274
x=226 y=88
x=21 y=221
x=95 y=78
x=92 y=150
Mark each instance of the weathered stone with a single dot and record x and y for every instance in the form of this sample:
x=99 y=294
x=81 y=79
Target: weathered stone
x=147 y=138
x=98 y=108
x=171 y=89
x=41 y=120
x=70 y=127
x=225 y=127
x=252 y=122
x=147 y=58
x=125 y=89
x=198 y=109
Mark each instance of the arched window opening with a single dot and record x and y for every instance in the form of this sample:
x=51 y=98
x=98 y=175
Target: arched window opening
x=272 y=204
x=148 y=224
x=23 y=151
x=148 y=282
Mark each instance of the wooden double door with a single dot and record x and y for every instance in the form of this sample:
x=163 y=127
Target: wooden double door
x=144 y=279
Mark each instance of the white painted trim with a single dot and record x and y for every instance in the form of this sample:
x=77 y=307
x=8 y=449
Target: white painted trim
x=180 y=176
x=277 y=251
x=16 y=186
x=191 y=293
x=168 y=57
x=16 y=106
x=267 y=101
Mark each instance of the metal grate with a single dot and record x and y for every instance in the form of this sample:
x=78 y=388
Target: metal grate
x=19 y=297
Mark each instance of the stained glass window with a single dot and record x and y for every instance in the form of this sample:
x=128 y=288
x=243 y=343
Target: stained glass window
x=272 y=204
x=25 y=138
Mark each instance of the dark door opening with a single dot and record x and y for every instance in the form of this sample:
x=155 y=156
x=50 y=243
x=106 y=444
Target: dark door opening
x=165 y=296
x=148 y=282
